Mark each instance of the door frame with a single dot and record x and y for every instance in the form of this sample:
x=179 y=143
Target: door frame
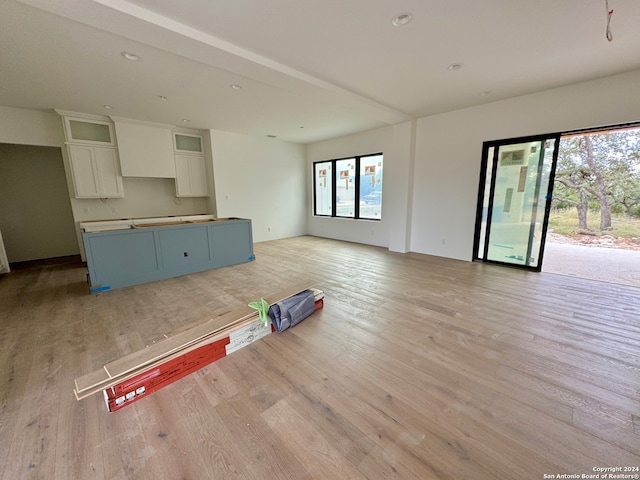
x=483 y=172
x=496 y=144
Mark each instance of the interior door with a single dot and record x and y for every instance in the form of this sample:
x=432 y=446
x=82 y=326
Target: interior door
x=514 y=200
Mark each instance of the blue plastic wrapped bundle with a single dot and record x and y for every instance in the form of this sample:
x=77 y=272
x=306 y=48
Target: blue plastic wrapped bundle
x=293 y=310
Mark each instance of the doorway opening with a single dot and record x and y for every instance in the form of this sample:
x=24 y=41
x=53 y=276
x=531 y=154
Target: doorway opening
x=36 y=220
x=575 y=196
x=594 y=223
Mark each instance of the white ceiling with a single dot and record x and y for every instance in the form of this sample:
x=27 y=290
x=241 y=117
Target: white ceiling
x=311 y=69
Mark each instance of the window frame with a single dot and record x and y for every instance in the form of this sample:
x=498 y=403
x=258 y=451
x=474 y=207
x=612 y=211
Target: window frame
x=356 y=209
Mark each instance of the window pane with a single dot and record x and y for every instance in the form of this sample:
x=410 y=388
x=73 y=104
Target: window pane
x=345 y=187
x=323 y=179
x=371 y=187
x=94 y=132
x=188 y=143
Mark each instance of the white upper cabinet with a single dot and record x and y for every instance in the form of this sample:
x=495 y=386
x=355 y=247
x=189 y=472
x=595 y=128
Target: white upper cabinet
x=191 y=172
x=96 y=173
x=191 y=176
x=102 y=150
x=93 y=156
x=146 y=149
x=108 y=172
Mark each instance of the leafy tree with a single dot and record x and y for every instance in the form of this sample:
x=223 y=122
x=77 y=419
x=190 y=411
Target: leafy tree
x=601 y=166
x=572 y=179
x=625 y=175
x=595 y=156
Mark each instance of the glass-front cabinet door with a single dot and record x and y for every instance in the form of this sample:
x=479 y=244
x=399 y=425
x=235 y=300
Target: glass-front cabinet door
x=95 y=132
x=514 y=200
x=186 y=143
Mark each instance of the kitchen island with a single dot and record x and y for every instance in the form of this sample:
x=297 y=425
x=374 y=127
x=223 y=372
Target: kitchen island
x=121 y=253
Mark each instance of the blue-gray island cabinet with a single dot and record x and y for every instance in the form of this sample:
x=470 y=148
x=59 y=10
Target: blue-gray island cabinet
x=155 y=251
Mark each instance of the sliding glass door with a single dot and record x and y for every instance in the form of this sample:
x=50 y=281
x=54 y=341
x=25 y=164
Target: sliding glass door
x=514 y=200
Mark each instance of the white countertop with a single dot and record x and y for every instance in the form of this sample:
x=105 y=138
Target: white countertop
x=125 y=224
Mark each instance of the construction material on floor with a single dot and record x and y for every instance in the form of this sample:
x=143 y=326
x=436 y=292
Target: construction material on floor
x=141 y=373
x=291 y=311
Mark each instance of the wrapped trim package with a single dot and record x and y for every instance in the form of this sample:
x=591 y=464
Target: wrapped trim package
x=291 y=311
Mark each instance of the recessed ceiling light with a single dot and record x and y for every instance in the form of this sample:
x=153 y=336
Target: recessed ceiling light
x=186 y=120
x=163 y=98
x=454 y=66
x=131 y=56
x=271 y=136
x=401 y=20
x=108 y=107
x=236 y=86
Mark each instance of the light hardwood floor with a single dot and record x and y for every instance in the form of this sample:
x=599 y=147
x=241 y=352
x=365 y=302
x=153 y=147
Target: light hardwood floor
x=418 y=367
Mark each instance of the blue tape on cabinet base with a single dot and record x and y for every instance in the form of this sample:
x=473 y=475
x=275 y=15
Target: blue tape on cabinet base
x=102 y=288
x=252 y=258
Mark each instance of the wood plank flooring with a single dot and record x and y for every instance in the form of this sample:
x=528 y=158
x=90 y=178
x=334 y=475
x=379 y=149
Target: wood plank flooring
x=418 y=367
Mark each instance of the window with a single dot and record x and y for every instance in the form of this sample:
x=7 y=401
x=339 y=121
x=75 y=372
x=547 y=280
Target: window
x=323 y=188
x=371 y=187
x=338 y=183
x=345 y=188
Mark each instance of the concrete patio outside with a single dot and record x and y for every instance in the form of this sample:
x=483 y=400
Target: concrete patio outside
x=596 y=262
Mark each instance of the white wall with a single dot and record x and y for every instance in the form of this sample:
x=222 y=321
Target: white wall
x=262 y=179
x=392 y=230
x=144 y=197
x=397 y=181
x=30 y=127
x=449 y=147
x=212 y=206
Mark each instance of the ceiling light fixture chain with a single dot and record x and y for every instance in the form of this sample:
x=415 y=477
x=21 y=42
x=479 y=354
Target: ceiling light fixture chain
x=609 y=15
